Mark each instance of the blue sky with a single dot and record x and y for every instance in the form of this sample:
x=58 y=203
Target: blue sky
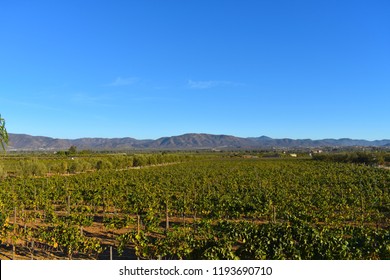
x=147 y=69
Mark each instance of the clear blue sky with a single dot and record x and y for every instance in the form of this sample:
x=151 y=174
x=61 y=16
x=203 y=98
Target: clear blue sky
x=146 y=69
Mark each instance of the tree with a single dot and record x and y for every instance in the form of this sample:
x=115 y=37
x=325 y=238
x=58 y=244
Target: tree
x=3 y=133
x=72 y=150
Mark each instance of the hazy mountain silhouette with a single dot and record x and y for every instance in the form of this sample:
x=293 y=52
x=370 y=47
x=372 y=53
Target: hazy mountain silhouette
x=185 y=141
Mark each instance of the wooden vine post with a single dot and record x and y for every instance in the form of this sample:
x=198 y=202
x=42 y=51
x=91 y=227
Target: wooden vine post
x=166 y=216
x=274 y=213
x=68 y=204
x=13 y=238
x=138 y=223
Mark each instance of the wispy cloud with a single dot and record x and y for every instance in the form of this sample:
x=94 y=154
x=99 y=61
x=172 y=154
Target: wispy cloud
x=210 y=84
x=84 y=98
x=120 y=81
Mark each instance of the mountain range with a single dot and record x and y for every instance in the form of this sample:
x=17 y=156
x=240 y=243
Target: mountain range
x=18 y=142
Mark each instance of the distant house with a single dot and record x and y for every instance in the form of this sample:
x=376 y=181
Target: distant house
x=315 y=152
x=249 y=156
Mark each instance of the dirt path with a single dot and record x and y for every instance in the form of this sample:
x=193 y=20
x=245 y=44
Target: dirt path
x=384 y=167
x=114 y=170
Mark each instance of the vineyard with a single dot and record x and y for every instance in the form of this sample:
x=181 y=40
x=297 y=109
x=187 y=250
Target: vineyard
x=192 y=206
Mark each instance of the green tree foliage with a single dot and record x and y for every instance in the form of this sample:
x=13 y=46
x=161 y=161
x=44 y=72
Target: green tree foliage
x=103 y=164
x=3 y=173
x=3 y=133
x=139 y=160
x=32 y=167
x=72 y=150
x=352 y=157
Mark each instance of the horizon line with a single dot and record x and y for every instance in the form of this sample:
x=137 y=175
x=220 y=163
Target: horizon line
x=204 y=133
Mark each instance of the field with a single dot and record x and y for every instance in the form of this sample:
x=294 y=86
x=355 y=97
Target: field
x=192 y=206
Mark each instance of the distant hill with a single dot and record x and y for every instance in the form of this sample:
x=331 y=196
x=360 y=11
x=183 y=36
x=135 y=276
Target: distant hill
x=194 y=140
x=185 y=141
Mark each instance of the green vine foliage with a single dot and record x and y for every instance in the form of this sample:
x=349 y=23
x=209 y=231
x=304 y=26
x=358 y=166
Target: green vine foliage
x=208 y=208
x=68 y=239
x=242 y=240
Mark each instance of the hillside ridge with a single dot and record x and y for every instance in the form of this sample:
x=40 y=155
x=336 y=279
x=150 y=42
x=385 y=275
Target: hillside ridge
x=184 y=141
